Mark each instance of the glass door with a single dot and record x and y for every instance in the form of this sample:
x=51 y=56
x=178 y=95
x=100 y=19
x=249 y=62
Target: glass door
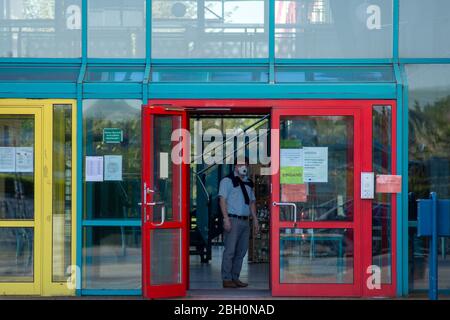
x=20 y=200
x=332 y=225
x=164 y=203
x=317 y=209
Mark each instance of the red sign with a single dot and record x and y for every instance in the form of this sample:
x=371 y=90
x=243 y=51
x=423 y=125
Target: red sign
x=386 y=183
x=294 y=193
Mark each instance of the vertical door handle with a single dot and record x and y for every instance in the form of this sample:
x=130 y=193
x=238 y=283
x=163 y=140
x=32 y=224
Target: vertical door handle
x=163 y=212
x=288 y=204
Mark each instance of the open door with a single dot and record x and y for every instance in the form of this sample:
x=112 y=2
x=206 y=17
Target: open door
x=164 y=203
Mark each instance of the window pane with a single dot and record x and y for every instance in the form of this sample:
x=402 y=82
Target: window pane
x=316 y=256
x=16 y=178
x=16 y=254
x=429 y=160
x=210 y=29
x=382 y=203
x=209 y=74
x=39 y=74
x=424 y=29
x=40 y=28
x=62 y=191
x=166 y=175
x=325 y=142
x=165 y=257
x=334 y=74
x=116 y=28
x=114 y=74
x=333 y=29
x=117 y=196
x=112 y=258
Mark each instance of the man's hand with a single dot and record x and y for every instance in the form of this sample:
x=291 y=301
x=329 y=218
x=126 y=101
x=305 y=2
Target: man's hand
x=256 y=226
x=227 y=224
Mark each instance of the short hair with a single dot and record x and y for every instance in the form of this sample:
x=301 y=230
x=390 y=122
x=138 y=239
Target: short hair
x=237 y=160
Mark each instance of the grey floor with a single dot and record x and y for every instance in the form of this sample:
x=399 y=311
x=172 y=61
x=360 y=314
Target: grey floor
x=207 y=275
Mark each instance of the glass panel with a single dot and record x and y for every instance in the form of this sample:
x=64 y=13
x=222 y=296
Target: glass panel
x=117 y=196
x=316 y=256
x=166 y=174
x=17 y=167
x=429 y=161
x=382 y=203
x=59 y=74
x=116 y=28
x=112 y=258
x=165 y=259
x=333 y=29
x=40 y=28
x=210 y=29
x=316 y=167
x=334 y=74
x=62 y=191
x=116 y=74
x=208 y=74
x=16 y=255
x=424 y=29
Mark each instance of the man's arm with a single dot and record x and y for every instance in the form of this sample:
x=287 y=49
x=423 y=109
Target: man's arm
x=223 y=194
x=223 y=207
x=253 y=212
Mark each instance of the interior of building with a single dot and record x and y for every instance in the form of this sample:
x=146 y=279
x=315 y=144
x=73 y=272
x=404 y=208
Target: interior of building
x=206 y=233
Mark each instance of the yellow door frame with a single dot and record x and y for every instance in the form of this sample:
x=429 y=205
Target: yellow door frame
x=43 y=223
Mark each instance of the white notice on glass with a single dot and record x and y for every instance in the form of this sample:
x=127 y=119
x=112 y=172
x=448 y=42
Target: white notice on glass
x=163 y=165
x=24 y=159
x=94 y=168
x=315 y=164
x=7 y=159
x=291 y=157
x=113 y=168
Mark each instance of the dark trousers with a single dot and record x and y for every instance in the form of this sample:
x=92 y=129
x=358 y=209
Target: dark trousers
x=236 y=246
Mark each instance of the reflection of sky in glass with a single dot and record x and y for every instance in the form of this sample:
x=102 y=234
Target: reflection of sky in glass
x=237 y=12
x=428 y=83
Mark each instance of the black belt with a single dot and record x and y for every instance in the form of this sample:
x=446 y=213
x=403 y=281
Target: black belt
x=238 y=217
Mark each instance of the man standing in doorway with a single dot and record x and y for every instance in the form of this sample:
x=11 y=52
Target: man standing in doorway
x=237 y=202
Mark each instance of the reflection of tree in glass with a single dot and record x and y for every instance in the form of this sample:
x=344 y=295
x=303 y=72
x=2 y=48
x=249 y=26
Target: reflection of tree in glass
x=116 y=114
x=429 y=148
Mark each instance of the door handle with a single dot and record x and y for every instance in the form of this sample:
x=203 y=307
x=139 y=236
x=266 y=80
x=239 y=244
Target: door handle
x=163 y=212
x=288 y=204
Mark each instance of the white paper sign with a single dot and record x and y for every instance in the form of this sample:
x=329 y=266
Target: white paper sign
x=291 y=157
x=7 y=159
x=315 y=164
x=94 y=168
x=24 y=159
x=163 y=165
x=113 y=168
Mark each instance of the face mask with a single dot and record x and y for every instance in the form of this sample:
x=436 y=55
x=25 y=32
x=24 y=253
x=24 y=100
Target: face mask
x=242 y=170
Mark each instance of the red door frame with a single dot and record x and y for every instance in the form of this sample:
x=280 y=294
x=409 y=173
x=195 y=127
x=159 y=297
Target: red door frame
x=183 y=106
x=326 y=289
x=172 y=290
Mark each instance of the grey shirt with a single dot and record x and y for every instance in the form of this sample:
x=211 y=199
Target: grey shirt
x=234 y=198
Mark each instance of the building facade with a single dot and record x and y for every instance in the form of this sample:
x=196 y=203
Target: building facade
x=90 y=91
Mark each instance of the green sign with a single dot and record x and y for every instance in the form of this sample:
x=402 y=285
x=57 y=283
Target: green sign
x=112 y=135
x=290 y=143
x=291 y=175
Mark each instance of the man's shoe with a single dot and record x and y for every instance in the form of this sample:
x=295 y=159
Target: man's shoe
x=229 y=284
x=240 y=284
